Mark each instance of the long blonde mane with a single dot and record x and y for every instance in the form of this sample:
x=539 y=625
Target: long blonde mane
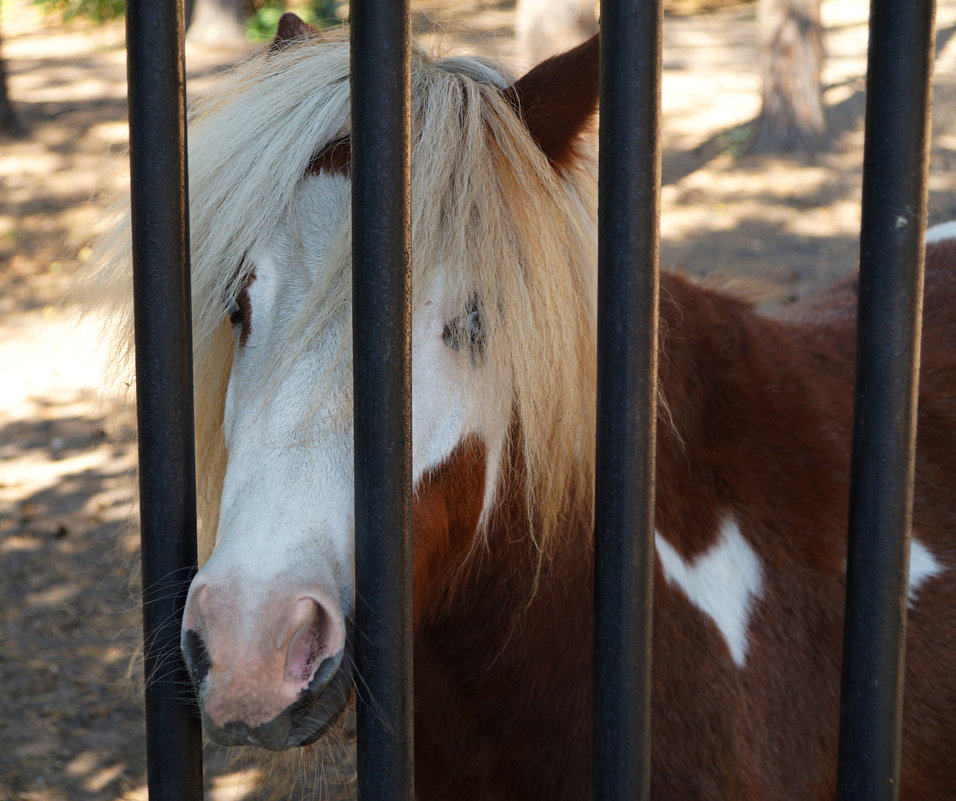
x=486 y=205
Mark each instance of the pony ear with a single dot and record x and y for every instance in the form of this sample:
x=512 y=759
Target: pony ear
x=292 y=29
x=558 y=98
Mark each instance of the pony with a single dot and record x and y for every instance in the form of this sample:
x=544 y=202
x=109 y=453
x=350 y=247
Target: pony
x=752 y=456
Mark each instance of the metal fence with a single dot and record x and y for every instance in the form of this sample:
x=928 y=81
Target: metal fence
x=895 y=165
x=164 y=394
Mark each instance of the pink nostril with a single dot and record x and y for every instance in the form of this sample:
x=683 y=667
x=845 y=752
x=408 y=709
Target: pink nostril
x=313 y=640
x=252 y=658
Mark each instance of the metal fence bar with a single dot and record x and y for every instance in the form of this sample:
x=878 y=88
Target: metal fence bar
x=895 y=161
x=381 y=283
x=157 y=121
x=628 y=264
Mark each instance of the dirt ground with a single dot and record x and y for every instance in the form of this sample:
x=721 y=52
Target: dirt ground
x=70 y=708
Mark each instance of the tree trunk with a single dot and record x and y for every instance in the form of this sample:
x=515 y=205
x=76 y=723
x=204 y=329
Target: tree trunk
x=791 y=61
x=216 y=21
x=9 y=123
x=547 y=27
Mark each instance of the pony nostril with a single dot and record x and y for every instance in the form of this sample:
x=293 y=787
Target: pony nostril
x=196 y=656
x=309 y=646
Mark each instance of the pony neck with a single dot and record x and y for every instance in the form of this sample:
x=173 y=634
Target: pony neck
x=504 y=643
x=500 y=636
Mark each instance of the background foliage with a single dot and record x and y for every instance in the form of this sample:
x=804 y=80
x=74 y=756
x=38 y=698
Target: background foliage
x=261 y=24
x=261 y=15
x=98 y=10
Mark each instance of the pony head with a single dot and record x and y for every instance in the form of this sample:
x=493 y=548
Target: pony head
x=503 y=254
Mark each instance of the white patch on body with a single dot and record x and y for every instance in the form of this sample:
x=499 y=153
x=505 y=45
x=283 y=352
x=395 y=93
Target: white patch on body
x=938 y=233
x=923 y=567
x=724 y=583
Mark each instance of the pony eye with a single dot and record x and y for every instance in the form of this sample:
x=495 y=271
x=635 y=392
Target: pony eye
x=467 y=330
x=240 y=313
x=235 y=314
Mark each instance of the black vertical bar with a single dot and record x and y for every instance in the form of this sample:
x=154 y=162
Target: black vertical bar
x=156 y=77
x=895 y=159
x=628 y=264
x=381 y=282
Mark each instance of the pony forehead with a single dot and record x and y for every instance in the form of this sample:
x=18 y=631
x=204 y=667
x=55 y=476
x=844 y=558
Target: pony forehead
x=252 y=139
x=304 y=88
x=255 y=138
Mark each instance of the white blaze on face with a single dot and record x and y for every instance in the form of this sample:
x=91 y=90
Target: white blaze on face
x=452 y=396
x=265 y=621
x=286 y=510
x=286 y=504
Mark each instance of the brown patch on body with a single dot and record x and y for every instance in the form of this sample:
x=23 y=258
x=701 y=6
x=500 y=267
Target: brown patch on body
x=760 y=431
x=447 y=506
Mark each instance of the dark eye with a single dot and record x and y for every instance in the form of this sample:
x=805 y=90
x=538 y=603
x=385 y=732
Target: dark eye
x=240 y=312
x=235 y=314
x=467 y=330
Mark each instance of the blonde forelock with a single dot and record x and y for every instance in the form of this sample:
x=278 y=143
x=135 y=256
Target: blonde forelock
x=487 y=207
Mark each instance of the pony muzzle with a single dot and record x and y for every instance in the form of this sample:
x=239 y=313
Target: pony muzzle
x=278 y=683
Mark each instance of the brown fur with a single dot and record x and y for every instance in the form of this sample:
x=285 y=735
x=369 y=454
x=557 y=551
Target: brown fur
x=335 y=158
x=763 y=406
x=557 y=100
x=292 y=29
x=245 y=309
x=448 y=500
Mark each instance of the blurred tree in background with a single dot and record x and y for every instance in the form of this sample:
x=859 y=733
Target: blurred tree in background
x=225 y=20
x=9 y=124
x=791 y=62
x=261 y=24
x=790 y=46
x=546 y=27
x=216 y=21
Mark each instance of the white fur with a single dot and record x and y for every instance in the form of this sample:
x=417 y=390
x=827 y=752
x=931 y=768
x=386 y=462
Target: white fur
x=923 y=567
x=490 y=219
x=938 y=233
x=452 y=397
x=289 y=439
x=725 y=583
